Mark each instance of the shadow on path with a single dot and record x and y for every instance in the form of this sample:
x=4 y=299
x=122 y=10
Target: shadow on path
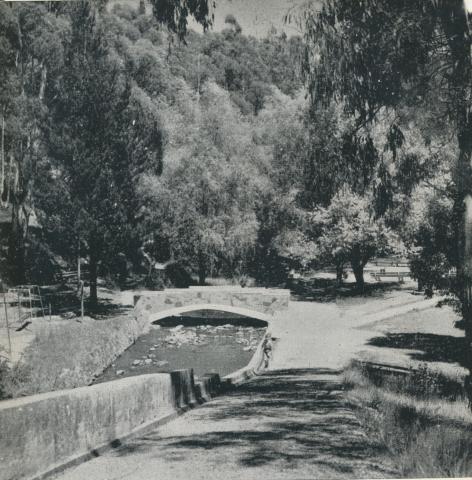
x=327 y=290
x=429 y=347
x=293 y=421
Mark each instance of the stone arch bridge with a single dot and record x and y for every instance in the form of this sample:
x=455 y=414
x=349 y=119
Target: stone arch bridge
x=259 y=303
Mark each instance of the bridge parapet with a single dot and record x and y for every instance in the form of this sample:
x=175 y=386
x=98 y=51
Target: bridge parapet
x=260 y=303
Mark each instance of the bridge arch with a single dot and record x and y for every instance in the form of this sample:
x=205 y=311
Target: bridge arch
x=258 y=303
x=244 y=312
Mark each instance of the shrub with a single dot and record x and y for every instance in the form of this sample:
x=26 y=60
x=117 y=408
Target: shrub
x=431 y=271
x=178 y=275
x=13 y=379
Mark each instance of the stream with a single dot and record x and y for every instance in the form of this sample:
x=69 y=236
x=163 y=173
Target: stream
x=208 y=344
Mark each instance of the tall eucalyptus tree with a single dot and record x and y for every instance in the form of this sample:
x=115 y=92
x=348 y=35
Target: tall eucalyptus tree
x=375 y=55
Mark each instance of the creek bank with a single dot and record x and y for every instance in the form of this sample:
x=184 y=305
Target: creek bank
x=68 y=354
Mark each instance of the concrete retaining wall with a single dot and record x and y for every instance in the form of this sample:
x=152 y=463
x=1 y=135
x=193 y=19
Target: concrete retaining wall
x=260 y=303
x=64 y=355
x=256 y=365
x=42 y=433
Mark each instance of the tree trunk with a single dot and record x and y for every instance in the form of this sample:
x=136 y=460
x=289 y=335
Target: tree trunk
x=339 y=274
x=93 y=272
x=358 y=270
x=42 y=85
x=2 y=177
x=464 y=267
x=455 y=24
x=79 y=273
x=8 y=183
x=17 y=243
x=22 y=183
x=358 y=263
x=202 y=271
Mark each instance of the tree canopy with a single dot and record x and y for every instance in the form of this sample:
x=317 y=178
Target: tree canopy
x=374 y=57
x=350 y=233
x=118 y=121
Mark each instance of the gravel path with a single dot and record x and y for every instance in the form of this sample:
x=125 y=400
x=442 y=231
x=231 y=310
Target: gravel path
x=289 y=423
x=329 y=335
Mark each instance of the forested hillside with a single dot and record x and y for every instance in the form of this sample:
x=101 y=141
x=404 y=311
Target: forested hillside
x=122 y=141
x=126 y=143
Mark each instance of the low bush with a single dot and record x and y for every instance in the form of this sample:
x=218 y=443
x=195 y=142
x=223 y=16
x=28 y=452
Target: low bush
x=13 y=379
x=178 y=275
x=420 y=382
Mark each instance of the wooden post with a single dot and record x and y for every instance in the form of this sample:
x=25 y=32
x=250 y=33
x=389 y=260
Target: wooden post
x=43 y=311
x=198 y=79
x=19 y=306
x=78 y=265
x=49 y=311
x=30 y=304
x=82 y=300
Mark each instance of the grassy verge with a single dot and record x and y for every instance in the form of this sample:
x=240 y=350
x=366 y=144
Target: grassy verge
x=427 y=433
x=68 y=354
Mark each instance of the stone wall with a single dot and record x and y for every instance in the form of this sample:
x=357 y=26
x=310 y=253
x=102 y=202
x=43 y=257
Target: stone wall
x=44 y=433
x=260 y=302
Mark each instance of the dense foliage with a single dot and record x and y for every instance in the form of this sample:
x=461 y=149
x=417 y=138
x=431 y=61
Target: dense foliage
x=375 y=57
x=121 y=142
x=128 y=140
x=350 y=234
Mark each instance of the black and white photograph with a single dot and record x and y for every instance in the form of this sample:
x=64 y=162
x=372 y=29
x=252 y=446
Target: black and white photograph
x=235 y=239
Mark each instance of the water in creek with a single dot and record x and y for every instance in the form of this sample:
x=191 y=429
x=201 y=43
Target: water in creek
x=205 y=344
